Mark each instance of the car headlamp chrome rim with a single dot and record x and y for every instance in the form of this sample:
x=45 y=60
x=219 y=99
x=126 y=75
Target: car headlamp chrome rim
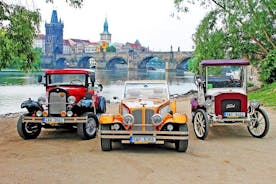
x=71 y=99
x=254 y=104
x=69 y=113
x=208 y=102
x=128 y=119
x=38 y=113
x=41 y=100
x=156 y=119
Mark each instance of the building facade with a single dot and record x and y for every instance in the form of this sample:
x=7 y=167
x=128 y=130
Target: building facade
x=39 y=42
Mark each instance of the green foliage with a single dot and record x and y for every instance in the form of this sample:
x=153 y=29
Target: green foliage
x=18 y=28
x=74 y=3
x=265 y=95
x=268 y=67
x=236 y=29
x=18 y=31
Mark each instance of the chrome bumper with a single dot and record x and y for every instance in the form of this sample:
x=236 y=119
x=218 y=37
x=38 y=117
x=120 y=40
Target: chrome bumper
x=229 y=121
x=160 y=136
x=29 y=119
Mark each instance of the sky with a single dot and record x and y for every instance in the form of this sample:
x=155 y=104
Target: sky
x=149 y=21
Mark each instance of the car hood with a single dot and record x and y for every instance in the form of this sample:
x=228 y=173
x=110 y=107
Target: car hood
x=138 y=103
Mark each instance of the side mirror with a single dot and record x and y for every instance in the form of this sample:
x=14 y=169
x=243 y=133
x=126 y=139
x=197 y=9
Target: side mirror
x=39 y=80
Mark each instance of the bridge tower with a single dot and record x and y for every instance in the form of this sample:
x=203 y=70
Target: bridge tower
x=54 y=36
x=105 y=35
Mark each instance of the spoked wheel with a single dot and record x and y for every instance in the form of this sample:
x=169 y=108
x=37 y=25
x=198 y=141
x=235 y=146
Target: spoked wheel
x=88 y=130
x=28 y=130
x=200 y=124
x=182 y=145
x=106 y=144
x=259 y=123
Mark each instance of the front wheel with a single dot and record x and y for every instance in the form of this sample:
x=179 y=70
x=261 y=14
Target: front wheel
x=88 y=130
x=28 y=130
x=182 y=145
x=200 y=124
x=259 y=123
x=106 y=144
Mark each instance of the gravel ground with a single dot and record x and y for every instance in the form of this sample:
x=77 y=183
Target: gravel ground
x=229 y=155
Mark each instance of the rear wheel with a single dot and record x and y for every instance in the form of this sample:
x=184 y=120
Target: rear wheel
x=200 y=124
x=182 y=145
x=88 y=130
x=259 y=123
x=28 y=130
x=106 y=144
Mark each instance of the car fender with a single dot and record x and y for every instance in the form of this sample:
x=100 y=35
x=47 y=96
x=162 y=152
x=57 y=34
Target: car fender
x=110 y=119
x=175 y=118
x=173 y=106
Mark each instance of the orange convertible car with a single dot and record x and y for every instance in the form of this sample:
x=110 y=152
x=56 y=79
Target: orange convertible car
x=146 y=116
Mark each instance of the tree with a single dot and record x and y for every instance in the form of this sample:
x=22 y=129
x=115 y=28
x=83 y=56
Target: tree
x=18 y=28
x=238 y=28
x=111 y=48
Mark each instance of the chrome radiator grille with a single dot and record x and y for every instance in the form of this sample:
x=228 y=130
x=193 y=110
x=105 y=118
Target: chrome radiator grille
x=57 y=103
x=149 y=114
x=137 y=114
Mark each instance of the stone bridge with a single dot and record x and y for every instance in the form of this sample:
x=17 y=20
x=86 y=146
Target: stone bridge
x=130 y=60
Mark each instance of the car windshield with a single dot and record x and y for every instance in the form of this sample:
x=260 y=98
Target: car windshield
x=66 y=79
x=146 y=90
x=225 y=76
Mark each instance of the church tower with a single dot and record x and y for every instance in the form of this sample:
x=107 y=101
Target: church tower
x=105 y=35
x=54 y=36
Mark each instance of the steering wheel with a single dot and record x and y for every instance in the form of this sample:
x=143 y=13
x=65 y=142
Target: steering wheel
x=76 y=81
x=234 y=83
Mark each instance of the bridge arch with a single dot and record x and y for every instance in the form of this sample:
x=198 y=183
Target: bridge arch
x=183 y=65
x=84 y=62
x=143 y=63
x=156 y=63
x=152 y=63
x=112 y=62
x=60 y=63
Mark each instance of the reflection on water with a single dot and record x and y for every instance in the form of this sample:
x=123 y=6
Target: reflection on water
x=16 y=87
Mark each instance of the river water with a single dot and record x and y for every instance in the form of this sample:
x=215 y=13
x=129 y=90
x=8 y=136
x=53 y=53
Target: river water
x=15 y=87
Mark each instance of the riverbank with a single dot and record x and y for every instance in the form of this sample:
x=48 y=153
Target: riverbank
x=229 y=155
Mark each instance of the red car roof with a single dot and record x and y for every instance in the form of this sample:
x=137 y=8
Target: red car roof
x=69 y=71
x=221 y=62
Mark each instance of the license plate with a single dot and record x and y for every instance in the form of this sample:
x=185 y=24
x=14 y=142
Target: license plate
x=142 y=139
x=52 y=120
x=234 y=114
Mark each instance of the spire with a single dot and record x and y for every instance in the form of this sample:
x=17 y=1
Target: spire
x=105 y=27
x=54 y=18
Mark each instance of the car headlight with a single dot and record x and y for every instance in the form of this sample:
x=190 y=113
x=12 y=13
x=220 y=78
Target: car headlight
x=156 y=119
x=41 y=100
x=69 y=113
x=208 y=102
x=129 y=119
x=71 y=99
x=38 y=113
x=254 y=104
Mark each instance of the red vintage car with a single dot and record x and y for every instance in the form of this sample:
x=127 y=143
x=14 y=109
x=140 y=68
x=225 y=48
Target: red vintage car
x=222 y=99
x=72 y=100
